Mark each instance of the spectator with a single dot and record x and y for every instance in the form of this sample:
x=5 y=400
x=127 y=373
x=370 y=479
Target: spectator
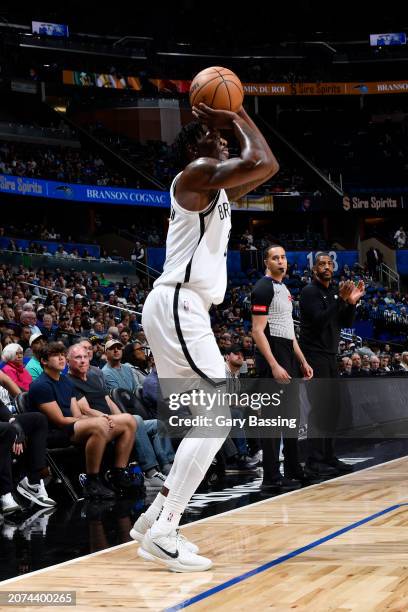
x=14 y=368
x=374 y=366
x=48 y=328
x=25 y=434
x=34 y=367
x=135 y=354
x=28 y=318
x=138 y=253
x=234 y=358
x=347 y=367
x=118 y=375
x=124 y=336
x=356 y=370
x=25 y=335
x=400 y=238
x=404 y=361
x=374 y=260
x=54 y=395
x=95 y=401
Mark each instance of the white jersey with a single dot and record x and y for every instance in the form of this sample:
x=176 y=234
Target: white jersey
x=196 y=248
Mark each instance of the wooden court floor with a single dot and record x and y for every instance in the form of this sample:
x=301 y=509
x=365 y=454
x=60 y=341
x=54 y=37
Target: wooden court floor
x=338 y=546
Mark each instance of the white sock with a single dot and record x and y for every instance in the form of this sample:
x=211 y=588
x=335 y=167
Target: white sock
x=154 y=509
x=167 y=522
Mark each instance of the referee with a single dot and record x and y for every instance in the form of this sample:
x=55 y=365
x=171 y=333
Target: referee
x=324 y=310
x=278 y=355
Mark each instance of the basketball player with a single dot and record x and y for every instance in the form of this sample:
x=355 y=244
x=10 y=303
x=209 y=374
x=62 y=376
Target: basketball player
x=278 y=354
x=175 y=314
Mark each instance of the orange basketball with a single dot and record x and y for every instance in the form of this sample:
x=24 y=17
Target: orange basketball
x=217 y=87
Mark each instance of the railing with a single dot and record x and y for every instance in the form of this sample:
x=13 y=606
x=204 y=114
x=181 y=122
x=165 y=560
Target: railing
x=389 y=277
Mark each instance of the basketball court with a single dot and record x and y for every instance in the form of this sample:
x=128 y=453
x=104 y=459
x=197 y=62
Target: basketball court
x=339 y=545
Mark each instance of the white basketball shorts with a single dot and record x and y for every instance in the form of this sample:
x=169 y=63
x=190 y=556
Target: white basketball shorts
x=178 y=330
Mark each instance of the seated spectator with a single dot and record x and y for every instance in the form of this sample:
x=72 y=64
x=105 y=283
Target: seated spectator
x=54 y=395
x=135 y=354
x=29 y=318
x=365 y=365
x=118 y=375
x=347 y=366
x=8 y=390
x=384 y=361
x=152 y=449
x=48 y=328
x=14 y=368
x=25 y=335
x=124 y=336
x=375 y=366
x=234 y=358
x=34 y=367
x=404 y=361
x=23 y=434
x=356 y=370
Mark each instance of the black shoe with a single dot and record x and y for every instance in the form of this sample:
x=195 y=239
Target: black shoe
x=95 y=489
x=120 y=479
x=298 y=474
x=244 y=462
x=319 y=469
x=280 y=484
x=340 y=466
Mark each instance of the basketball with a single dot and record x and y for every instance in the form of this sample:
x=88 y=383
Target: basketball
x=219 y=88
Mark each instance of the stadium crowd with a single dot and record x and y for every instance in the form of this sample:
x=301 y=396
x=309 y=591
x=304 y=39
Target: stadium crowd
x=72 y=339
x=64 y=164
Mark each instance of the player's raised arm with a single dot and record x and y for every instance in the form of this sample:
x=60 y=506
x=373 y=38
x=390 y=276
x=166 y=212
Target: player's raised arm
x=254 y=163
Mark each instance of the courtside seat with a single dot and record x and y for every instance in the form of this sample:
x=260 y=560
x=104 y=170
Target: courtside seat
x=129 y=402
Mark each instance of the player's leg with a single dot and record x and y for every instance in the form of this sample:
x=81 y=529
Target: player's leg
x=199 y=447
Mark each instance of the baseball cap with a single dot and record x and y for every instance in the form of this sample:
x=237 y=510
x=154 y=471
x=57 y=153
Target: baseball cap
x=234 y=348
x=34 y=337
x=111 y=343
x=78 y=296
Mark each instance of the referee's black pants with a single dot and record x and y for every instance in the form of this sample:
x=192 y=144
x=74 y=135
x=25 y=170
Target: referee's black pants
x=324 y=399
x=282 y=350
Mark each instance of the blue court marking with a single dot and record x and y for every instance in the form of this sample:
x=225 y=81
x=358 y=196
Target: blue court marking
x=279 y=560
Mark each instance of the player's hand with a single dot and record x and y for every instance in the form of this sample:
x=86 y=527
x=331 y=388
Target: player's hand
x=357 y=293
x=214 y=119
x=280 y=374
x=307 y=370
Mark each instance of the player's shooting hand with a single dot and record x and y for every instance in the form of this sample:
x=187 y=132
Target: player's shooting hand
x=214 y=119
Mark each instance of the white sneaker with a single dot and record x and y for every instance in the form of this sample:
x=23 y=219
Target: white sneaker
x=142 y=525
x=35 y=493
x=155 y=482
x=166 y=550
x=9 y=504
